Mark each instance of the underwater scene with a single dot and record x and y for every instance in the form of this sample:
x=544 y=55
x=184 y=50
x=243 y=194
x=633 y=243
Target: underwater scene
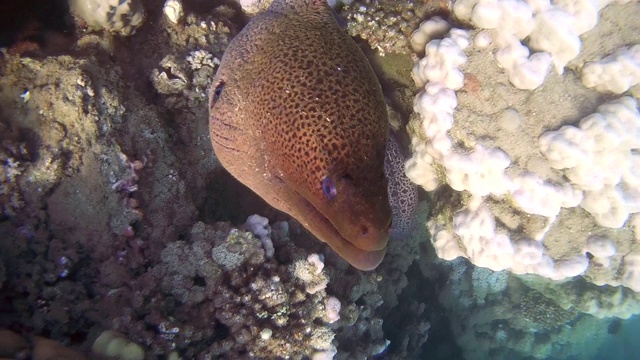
x=320 y=179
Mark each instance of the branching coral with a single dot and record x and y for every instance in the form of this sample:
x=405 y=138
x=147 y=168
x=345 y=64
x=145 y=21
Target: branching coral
x=257 y=302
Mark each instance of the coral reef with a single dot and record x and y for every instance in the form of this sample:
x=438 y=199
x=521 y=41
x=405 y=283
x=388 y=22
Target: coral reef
x=387 y=25
x=580 y=295
x=215 y=292
x=121 y=237
x=105 y=163
x=523 y=197
x=490 y=154
x=506 y=316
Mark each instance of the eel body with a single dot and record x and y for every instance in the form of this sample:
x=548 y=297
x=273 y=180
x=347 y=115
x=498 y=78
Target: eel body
x=297 y=114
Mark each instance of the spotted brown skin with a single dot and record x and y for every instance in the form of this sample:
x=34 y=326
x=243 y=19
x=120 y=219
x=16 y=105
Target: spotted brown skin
x=294 y=102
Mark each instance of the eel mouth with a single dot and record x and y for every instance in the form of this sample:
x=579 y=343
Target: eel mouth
x=321 y=227
x=358 y=258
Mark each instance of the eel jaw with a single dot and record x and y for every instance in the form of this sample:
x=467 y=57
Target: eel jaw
x=283 y=197
x=314 y=221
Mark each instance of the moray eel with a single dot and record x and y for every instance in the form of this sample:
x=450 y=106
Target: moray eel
x=403 y=194
x=297 y=114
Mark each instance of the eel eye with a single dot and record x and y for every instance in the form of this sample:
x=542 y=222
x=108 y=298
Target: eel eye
x=217 y=91
x=329 y=188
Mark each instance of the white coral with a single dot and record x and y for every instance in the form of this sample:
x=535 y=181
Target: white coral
x=524 y=71
x=615 y=73
x=310 y=273
x=481 y=172
x=442 y=61
x=600 y=157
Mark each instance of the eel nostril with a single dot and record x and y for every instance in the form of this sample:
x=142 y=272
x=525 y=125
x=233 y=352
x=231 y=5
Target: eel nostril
x=365 y=230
